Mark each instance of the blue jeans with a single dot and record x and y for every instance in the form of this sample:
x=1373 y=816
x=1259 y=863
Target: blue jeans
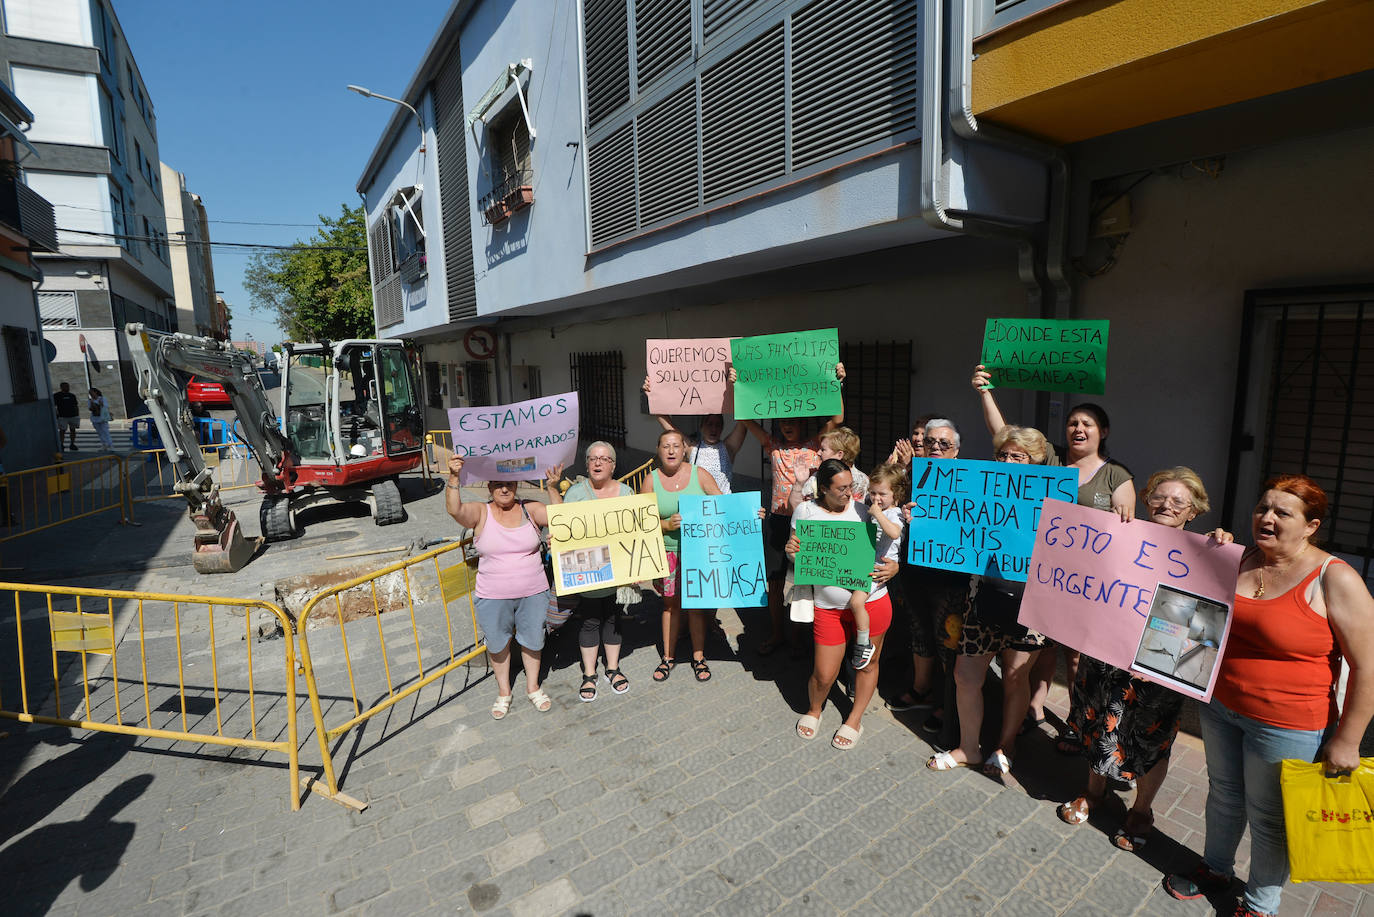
x=1243 y=758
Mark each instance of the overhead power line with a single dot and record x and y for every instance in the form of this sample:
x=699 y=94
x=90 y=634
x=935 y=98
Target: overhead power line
x=172 y=241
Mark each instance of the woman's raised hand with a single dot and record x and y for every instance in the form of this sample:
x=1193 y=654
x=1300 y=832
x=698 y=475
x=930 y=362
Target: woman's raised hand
x=455 y=465
x=839 y=371
x=902 y=451
x=645 y=387
x=1221 y=536
x=982 y=379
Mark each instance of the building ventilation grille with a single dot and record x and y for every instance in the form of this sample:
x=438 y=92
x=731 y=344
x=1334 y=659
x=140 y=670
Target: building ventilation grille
x=663 y=37
x=606 y=37
x=666 y=154
x=744 y=117
x=611 y=175
x=454 y=210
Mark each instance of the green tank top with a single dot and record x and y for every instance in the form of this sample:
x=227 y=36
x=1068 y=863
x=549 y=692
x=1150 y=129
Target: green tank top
x=667 y=504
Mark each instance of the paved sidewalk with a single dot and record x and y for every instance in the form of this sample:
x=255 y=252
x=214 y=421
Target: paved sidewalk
x=674 y=798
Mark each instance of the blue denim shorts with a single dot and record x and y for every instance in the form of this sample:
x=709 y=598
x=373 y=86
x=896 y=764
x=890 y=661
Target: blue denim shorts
x=500 y=618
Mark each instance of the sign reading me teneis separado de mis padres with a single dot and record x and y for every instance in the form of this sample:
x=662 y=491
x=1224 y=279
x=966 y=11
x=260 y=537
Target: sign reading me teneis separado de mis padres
x=1050 y=355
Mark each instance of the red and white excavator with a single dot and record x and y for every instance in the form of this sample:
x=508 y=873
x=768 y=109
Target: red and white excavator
x=349 y=424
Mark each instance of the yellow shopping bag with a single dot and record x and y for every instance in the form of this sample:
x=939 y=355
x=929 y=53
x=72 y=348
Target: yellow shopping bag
x=1330 y=822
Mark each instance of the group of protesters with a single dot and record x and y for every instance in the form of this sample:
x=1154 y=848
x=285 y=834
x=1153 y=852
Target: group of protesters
x=1298 y=613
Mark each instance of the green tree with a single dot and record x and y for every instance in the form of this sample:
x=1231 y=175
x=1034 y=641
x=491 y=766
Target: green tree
x=317 y=290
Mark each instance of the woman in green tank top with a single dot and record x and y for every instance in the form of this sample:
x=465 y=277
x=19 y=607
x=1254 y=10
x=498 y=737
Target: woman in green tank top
x=673 y=478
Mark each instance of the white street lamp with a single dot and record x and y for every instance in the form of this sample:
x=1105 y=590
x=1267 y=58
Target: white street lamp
x=369 y=94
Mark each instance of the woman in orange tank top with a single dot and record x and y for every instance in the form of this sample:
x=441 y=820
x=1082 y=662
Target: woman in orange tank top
x=1298 y=611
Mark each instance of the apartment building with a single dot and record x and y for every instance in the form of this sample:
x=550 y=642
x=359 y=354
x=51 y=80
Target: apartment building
x=601 y=172
x=198 y=310
x=95 y=132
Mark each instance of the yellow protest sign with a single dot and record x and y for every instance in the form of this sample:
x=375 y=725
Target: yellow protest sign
x=600 y=543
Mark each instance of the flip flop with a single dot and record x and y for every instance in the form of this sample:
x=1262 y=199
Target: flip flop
x=944 y=761
x=997 y=765
x=808 y=722
x=846 y=738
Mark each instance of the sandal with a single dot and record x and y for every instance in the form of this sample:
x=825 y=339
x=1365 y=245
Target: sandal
x=617 y=680
x=701 y=670
x=1069 y=742
x=944 y=761
x=808 y=722
x=1196 y=884
x=1077 y=811
x=542 y=702
x=665 y=668
x=846 y=737
x=997 y=765
x=911 y=700
x=1134 y=833
x=1031 y=722
x=501 y=706
x=587 y=693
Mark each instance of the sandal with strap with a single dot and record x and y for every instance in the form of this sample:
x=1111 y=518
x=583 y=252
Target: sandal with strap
x=701 y=670
x=1077 y=811
x=542 y=702
x=587 y=693
x=1069 y=742
x=1134 y=833
x=665 y=668
x=617 y=680
x=501 y=706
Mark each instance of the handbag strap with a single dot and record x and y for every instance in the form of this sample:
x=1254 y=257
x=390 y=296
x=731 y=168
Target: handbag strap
x=539 y=533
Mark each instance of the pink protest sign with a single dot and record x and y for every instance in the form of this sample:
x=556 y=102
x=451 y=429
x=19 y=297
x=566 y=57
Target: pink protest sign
x=1136 y=595
x=515 y=442
x=689 y=375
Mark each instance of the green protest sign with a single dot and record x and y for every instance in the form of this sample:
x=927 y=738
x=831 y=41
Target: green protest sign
x=1050 y=355
x=837 y=553
x=787 y=375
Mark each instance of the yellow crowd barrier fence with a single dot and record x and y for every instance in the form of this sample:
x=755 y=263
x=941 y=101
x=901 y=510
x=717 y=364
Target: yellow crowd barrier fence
x=200 y=676
x=39 y=498
x=152 y=476
x=421 y=609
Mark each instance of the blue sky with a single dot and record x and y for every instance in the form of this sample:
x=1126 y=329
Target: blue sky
x=251 y=106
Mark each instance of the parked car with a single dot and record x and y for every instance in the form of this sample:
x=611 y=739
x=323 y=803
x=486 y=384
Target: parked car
x=206 y=395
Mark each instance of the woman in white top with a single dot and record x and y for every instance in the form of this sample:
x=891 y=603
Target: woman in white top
x=707 y=449
x=100 y=419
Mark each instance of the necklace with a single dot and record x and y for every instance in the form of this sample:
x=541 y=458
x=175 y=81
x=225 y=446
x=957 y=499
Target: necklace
x=1259 y=590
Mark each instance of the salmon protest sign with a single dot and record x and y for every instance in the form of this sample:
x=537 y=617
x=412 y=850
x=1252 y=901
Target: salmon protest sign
x=688 y=375
x=515 y=442
x=1143 y=597
x=611 y=542
x=1052 y=355
x=787 y=375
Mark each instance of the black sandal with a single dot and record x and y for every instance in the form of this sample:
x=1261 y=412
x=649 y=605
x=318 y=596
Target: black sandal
x=665 y=668
x=1069 y=742
x=701 y=670
x=587 y=693
x=617 y=680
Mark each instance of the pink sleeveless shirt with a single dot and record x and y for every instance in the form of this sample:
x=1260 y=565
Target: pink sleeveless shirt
x=511 y=567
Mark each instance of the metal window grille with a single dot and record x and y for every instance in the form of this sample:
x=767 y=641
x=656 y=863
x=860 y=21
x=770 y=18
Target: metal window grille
x=434 y=379
x=744 y=117
x=1305 y=404
x=58 y=309
x=479 y=383
x=666 y=155
x=599 y=380
x=720 y=17
x=877 y=396
x=19 y=353
x=663 y=37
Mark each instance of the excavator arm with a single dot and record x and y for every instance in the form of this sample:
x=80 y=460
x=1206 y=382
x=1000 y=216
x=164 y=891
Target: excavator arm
x=219 y=544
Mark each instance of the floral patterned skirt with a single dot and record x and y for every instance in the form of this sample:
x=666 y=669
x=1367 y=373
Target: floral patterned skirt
x=1128 y=725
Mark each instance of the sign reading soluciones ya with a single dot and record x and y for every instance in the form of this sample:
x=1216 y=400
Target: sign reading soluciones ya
x=610 y=542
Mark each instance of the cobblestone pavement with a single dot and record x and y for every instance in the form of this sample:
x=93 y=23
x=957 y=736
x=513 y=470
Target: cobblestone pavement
x=676 y=797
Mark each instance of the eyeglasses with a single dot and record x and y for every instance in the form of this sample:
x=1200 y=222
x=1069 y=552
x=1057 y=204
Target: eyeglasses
x=941 y=444
x=1019 y=457
x=1156 y=500
x=504 y=485
x=600 y=460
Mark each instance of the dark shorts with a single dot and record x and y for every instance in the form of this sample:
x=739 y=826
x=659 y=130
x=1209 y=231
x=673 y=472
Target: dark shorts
x=936 y=601
x=777 y=528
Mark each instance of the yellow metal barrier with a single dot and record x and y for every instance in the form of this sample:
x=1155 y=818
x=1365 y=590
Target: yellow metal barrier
x=633 y=479
x=40 y=498
x=152 y=476
x=402 y=600
x=83 y=638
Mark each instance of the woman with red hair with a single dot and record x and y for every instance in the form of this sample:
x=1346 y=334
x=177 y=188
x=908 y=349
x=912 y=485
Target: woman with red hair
x=1298 y=611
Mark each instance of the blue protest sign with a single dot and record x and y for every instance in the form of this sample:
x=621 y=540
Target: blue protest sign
x=980 y=517
x=722 y=551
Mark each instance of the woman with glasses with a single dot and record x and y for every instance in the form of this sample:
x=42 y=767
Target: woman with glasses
x=512 y=592
x=1103 y=484
x=991 y=629
x=1129 y=724
x=597 y=607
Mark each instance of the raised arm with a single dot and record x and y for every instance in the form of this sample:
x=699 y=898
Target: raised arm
x=992 y=414
x=736 y=438
x=552 y=478
x=465 y=514
x=1350 y=609
x=837 y=421
x=891 y=527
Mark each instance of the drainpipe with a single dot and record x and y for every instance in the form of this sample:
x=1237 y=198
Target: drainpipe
x=934 y=206
x=965 y=124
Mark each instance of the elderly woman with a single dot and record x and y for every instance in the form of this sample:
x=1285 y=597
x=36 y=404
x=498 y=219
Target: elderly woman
x=834 y=622
x=1129 y=724
x=991 y=629
x=1102 y=484
x=597 y=607
x=674 y=477
x=512 y=593
x=1298 y=611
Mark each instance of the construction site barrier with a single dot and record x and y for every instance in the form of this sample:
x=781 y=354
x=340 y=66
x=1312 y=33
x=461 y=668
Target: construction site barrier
x=61 y=659
x=39 y=498
x=152 y=476
x=348 y=632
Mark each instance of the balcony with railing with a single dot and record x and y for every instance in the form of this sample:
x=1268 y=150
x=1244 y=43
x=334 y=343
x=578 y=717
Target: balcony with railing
x=28 y=213
x=513 y=194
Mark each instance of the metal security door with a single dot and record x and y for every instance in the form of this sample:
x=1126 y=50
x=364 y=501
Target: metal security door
x=877 y=396
x=599 y=380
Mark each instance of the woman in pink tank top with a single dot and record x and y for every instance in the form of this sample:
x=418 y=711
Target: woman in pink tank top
x=512 y=594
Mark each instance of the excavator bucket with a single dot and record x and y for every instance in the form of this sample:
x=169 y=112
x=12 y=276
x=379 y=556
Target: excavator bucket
x=221 y=548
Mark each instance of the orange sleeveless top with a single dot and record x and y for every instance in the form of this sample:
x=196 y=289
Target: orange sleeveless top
x=1282 y=661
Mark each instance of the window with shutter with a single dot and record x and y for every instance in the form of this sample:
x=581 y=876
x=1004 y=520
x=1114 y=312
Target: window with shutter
x=744 y=117
x=58 y=309
x=666 y=154
x=611 y=171
x=663 y=37
x=606 y=37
